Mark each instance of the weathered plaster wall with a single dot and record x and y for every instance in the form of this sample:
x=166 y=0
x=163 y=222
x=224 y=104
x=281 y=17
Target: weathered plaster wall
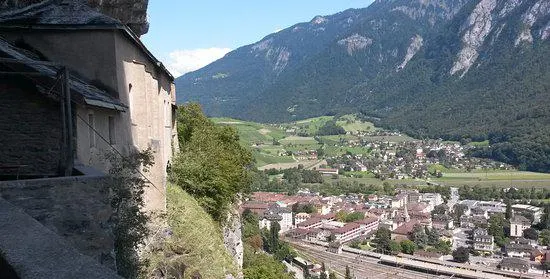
x=130 y=12
x=30 y=129
x=75 y=208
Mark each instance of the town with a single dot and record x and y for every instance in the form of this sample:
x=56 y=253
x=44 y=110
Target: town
x=491 y=235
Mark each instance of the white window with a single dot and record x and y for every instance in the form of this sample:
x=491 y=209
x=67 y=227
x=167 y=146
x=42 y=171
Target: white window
x=112 y=135
x=91 y=129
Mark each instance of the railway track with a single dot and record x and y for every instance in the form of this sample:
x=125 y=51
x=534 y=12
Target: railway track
x=362 y=267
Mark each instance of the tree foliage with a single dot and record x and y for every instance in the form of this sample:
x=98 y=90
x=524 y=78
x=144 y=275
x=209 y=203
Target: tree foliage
x=212 y=166
x=130 y=221
x=461 y=254
x=408 y=247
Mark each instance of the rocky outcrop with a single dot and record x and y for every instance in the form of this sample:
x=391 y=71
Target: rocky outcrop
x=232 y=236
x=355 y=43
x=416 y=43
x=478 y=27
x=130 y=12
x=540 y=9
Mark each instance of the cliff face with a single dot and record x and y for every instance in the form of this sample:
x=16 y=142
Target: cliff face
x=130 y=12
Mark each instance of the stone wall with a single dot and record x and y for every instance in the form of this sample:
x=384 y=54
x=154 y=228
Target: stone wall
x=30 y=126
x=75 y=208
x=130 y=12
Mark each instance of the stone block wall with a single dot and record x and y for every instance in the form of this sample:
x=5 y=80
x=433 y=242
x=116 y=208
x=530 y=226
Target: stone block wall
x=30 y=129
x=75 y=208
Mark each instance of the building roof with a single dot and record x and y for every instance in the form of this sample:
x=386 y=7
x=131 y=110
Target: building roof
x=520 y=220
x=514 y=263
x=406 y=228
x=70 y=15
x=82 y=91
x=346 y=228
x=368 y=220
x=310 y=221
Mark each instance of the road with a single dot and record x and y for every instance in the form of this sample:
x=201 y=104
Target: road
x=361 y=267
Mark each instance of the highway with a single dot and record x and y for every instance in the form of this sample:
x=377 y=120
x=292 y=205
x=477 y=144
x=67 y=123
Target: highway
x=362 y=267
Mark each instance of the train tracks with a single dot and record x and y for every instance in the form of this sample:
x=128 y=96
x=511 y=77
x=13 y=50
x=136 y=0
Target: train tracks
x=362 y=267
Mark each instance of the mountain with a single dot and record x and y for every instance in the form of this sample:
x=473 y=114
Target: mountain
x=456 y=69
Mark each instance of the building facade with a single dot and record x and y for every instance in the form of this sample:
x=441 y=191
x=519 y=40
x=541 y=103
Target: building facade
x=136 y=110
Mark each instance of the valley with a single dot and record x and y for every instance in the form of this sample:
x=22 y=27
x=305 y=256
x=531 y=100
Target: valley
x=370 y=155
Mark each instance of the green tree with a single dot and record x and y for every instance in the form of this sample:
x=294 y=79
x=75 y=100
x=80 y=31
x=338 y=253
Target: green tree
x=545 y=237
x=354 y=217
x=332 y=275
x=130 y=221
x=211 y=166
x=262 y=266
x=497 y=227
x=458 y=211
x=348 y=273
x=508 y=213
x=419 y=237
x=395 y=248
x=382 y=238
x=461 y=254
x=250 y=223
x=323 y=271
x=531 y=233
x=408 y=247
x=440 y=210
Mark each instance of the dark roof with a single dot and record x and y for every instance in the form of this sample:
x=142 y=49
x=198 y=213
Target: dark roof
x=86 y=93
x=310 y=221
x=515 y=263
x=346 y=228
x=406 y=228
x=56 y=12
x=518 y=219
x=518 y=248
x=70 y=14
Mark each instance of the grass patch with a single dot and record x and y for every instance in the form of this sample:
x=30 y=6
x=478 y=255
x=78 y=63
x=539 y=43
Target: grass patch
x=298 y=140
x=350 y=123
x=263 y=159
x=196 y=242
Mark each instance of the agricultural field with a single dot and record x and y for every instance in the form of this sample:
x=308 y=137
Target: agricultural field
x=495 y=178
x=351 y=123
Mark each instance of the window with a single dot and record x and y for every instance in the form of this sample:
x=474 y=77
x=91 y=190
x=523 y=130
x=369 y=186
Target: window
x=91 y=131
x=112 y=135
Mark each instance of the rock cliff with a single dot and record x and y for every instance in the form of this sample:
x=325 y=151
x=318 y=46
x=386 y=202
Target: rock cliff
x=130 y=12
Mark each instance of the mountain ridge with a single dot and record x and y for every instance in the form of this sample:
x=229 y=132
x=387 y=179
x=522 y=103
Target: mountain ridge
x=469 y=69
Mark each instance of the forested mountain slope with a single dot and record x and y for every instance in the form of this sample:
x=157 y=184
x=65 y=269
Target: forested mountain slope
x=467 y=69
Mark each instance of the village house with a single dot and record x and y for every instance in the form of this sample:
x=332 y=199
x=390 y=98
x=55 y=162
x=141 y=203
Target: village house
x=301 y=217
x=276 y=213
x=515 y=265
x=84 y=85
x=520 y=209
x=483 y=242
x=518 y=224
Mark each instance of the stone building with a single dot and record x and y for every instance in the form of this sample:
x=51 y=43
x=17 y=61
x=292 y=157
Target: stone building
x=121 y=97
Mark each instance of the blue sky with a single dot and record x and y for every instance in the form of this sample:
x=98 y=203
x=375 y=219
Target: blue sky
x=187 y=35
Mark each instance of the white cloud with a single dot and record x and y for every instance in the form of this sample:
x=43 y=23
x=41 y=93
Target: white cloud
x=188 y=60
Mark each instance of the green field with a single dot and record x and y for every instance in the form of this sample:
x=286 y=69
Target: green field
x=350 y=123
x=402 y=138
x=495 y=178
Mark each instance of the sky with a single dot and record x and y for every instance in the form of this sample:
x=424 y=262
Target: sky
x=187 y=35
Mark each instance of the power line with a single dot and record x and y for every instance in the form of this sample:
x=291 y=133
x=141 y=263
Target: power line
x=116 y=151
